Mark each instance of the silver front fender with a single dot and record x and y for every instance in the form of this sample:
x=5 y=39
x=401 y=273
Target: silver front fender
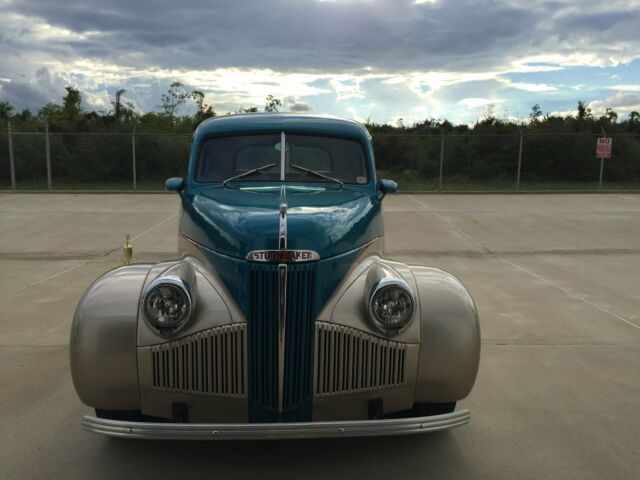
x=445 y=332
x=449 y=337
x=102 y=348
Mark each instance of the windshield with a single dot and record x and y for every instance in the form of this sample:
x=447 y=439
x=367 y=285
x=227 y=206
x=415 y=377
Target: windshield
x=305 y=156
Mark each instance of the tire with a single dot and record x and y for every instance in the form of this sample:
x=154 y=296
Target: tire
x=122 y=415
x=128 y=416
x=424 y=410
x=427 y=409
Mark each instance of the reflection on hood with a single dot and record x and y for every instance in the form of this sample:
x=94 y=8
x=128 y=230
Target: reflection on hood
x=236 y=221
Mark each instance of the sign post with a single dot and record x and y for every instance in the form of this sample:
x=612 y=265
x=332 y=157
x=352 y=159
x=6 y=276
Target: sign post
x=603 y=150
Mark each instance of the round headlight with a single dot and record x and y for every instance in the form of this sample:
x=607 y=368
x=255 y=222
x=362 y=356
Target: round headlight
x=391 y=305
x=167 y=304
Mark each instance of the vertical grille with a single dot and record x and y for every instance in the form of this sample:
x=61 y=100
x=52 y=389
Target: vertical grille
x=298 y=367
x=348 y=360
x=210 y=362
x=263 y=335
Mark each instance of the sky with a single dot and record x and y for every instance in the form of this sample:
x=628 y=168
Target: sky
x=364 y=59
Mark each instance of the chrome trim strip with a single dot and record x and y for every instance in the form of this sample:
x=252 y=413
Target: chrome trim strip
x=282 y=256
x=266 y=431
x=282 y=284
x=282 y=330
x=282 y=236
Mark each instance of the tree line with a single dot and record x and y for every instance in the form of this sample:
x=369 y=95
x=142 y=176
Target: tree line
x=71 y=116
x=555 y=148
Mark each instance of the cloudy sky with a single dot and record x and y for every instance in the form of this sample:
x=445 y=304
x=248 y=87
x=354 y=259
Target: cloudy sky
x=382 y=59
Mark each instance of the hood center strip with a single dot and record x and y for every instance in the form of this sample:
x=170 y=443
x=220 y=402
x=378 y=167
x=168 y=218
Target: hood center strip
x=282 y=292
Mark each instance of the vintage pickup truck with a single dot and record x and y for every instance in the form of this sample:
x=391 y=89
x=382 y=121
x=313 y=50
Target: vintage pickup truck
x=281 y=318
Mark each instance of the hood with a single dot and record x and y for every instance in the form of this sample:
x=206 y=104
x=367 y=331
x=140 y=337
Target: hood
x=234 y=221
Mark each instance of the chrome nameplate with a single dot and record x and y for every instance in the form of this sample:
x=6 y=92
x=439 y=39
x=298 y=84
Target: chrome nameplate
x=282 y=256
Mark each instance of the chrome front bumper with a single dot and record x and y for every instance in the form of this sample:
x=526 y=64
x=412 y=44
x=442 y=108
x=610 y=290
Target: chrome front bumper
x=269 y=431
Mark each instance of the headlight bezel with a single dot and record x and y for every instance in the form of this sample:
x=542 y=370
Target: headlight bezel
x=378 y=287
x=171 y=281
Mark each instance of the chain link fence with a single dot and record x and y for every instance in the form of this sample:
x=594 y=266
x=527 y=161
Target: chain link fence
x=508 y=162
x=444 y=163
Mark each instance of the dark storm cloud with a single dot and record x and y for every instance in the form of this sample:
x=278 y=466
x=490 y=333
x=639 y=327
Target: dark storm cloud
x=600 y=21
x=337 y=35
x=299 y=107
x=370 y=55
x=292 y=35
x=22 y=95
x=32 y=93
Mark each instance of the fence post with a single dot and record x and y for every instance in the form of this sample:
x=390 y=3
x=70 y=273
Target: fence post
x=519 y=159
x=12 y=165
x=441 y=159
x=604 y=134
x=48 y=153
x=133 y=158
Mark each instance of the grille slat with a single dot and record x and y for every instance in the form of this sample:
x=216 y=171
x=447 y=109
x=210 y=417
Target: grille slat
x=348 y=360
x=196 y=363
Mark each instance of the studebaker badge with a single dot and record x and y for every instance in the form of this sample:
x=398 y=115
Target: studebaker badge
x=280 y=318
x=282 y=256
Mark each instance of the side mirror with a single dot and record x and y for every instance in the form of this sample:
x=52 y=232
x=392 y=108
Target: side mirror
x=174 y=184
x=387 y=186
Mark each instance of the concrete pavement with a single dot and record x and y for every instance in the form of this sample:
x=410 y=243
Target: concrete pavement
x=556 y=279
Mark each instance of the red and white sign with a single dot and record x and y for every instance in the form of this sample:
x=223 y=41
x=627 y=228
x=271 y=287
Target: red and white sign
x=603 y=148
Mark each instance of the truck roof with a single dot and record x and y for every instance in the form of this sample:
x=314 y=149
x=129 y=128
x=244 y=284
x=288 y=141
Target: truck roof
x=288 y=122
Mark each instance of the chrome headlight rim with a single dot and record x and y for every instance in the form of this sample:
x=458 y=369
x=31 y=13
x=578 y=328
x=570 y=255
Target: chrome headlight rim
x=174 y=282
x=380 y=285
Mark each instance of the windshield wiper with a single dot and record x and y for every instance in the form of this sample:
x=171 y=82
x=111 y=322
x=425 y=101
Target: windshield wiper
x=248 y=174
x=315 y=174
